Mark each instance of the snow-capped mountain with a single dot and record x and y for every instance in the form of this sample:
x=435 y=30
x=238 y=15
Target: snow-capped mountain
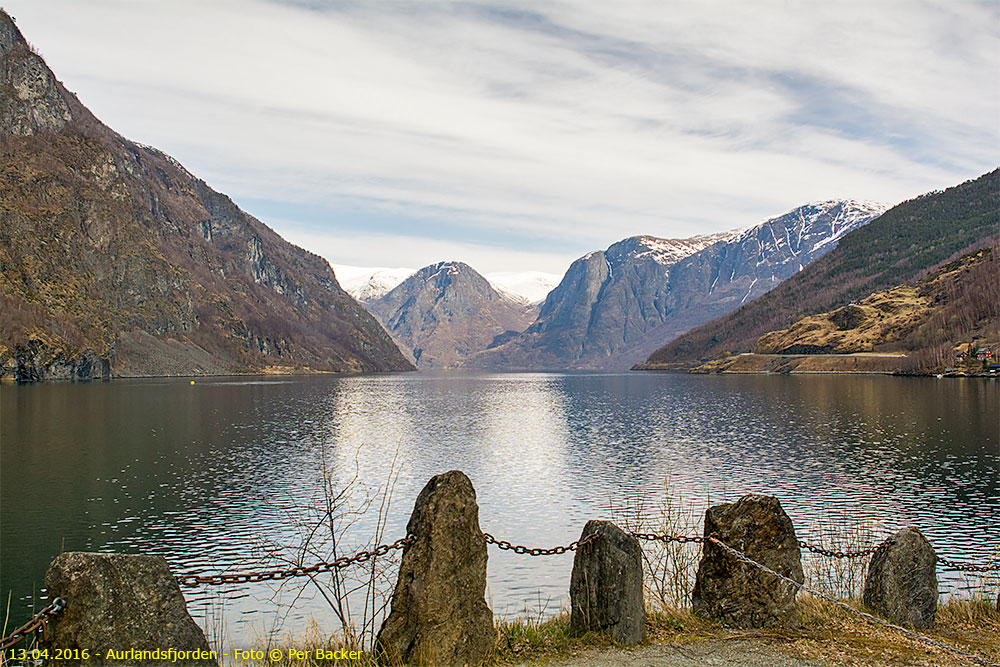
x=446 y=312
x=614 y=307
x=367 y=283
x=530 y=286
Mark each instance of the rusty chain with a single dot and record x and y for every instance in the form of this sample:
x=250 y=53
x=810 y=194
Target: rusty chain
x=681 y=539
x=297 y=571
x=537 y=551
x=35 y=625
x=831 y=553
x=834 y=553
x=968 y=568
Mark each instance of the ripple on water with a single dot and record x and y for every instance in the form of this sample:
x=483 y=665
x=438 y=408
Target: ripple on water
x=228 y=475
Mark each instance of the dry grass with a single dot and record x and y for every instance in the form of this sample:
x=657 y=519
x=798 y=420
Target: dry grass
x=833 y=634
x=825 y=632
x=855 y=328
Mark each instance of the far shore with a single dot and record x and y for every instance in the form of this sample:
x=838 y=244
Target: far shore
x=858 y=363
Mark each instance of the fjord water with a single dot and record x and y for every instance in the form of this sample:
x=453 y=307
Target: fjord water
x=212 y=474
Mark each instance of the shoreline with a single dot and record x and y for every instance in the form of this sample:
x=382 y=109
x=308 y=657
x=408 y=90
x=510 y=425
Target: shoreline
x=864 y=363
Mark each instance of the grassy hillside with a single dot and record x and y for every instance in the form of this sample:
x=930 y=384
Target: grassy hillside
x=912 y=328
x=898 y=247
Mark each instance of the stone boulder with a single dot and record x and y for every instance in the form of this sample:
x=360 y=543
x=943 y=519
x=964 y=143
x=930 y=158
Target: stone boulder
x=118 y=602
x=439 y=615
x=902 y=581
x=606 y=585
x=739 y=594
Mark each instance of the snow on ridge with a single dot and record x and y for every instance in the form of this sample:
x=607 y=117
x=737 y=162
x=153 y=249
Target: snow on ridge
x=367 y=283
x=524 y=286
x=853 y=212
x=671 y=251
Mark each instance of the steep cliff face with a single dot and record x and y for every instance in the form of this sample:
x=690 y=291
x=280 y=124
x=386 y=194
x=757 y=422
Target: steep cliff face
x=446 y=312
x=614 y=307
x=606 y=301
x=111 y=251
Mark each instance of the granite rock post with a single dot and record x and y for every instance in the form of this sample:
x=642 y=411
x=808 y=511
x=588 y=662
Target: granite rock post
x=901 y=584
x=121 y=602
x=739 y=594
x=439 y=615
x=606 y=584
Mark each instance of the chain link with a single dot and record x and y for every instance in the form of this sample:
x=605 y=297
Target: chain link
x=35 y=625
x=297 y=571
x=537 y=551
x=743 y=558
x=681 y=539
x=833 y=553
x=685 y=539
x=966 y=567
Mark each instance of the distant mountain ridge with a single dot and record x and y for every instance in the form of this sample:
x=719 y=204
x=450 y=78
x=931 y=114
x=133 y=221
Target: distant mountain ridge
x=898 y=247
x=446 y=312
x=369 y=283
x=528 y=286
x=616 y=306
x=115 y=260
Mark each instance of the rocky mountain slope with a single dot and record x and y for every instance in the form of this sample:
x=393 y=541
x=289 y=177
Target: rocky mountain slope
x=369 y=283
x=446 y=312
x=114 y=260
x=616 y=306
x=898 y=247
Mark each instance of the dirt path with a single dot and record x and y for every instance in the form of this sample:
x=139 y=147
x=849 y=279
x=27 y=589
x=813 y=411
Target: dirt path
x=716 y=653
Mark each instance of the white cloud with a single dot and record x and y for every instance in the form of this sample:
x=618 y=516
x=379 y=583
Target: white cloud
x=362 y=251
x=570 y=122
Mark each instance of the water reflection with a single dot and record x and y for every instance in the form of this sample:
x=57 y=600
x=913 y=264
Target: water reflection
x=215 y=475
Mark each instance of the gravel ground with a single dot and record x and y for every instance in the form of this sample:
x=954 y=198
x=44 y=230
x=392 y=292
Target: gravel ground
x=720 y=653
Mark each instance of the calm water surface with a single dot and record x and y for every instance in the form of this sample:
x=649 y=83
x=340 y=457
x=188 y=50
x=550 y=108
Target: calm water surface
x=222 y=474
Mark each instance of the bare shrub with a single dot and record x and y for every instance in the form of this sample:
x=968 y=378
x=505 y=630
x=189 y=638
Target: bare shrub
x=358 y=595
x=669 y=568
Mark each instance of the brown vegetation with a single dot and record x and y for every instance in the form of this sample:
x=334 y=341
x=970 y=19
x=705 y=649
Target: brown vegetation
x=101 y=237
x=924 y=322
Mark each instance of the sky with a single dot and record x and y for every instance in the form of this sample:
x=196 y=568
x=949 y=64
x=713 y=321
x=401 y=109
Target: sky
x=518 y=136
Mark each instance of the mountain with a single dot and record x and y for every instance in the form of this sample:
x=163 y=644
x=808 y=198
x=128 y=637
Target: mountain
x=616 y=306
x=367 y=283
x=446 y=312
x=114 y=260
x=529 y=286
x=898 y=247
x=918 y=327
